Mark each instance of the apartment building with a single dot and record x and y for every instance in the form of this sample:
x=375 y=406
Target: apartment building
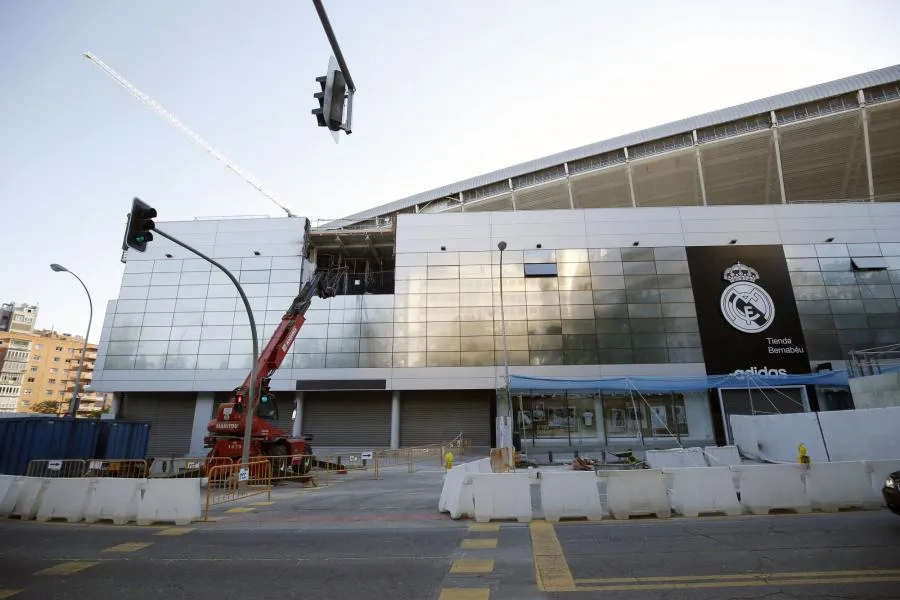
x=38 y=368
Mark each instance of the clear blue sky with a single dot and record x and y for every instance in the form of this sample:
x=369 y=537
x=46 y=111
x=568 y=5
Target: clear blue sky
x=447 y=91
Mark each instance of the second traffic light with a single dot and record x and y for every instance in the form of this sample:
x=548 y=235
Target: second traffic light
x=332 y=98
x=140 y=224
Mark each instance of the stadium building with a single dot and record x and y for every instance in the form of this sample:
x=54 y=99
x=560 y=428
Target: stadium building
x=762 y=238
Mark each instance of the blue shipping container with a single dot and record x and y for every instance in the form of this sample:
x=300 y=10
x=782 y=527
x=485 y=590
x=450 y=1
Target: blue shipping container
x=123 y=440
x=23 y=439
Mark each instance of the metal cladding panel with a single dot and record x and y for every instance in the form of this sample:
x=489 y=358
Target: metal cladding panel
x=741 y=111
x=171 y=416
x=123 y=440
x=40 y=438
x=431 y=417
x=348 y=419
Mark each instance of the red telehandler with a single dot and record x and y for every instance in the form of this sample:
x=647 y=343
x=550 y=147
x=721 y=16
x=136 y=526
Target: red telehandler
x=227 y=430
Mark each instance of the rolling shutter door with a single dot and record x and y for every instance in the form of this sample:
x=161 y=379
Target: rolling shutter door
x=761 y=402
x=348 y=419
x=439 y=416
x=171 y=416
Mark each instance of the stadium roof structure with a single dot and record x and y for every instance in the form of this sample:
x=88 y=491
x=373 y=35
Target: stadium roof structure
x=683 y=128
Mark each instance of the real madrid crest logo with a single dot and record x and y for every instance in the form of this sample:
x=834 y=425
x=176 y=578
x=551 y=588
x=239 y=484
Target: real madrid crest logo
x=745 y=305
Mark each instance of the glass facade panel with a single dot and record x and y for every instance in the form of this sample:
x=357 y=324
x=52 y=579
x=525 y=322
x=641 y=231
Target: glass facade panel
x=442 y=359
x=134 y=293
x=375 y=360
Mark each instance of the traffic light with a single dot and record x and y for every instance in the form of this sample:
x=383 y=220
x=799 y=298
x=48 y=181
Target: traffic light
x=331 y=99
x=140 y=224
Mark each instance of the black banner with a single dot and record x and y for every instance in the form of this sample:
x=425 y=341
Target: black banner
x=746 y=310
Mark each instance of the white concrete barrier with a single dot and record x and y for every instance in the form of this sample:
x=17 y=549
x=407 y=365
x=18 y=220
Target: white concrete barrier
x=772 y=487
x=570 y=494
x=65 y=499
x=676 y=457
x=113 y=500
x=169 y=500
x=29 y=497
x=698 y=491
x=635 y=493
x=722 y=456
x=462 y=503
x=9 y=492
x=452 y=482
x=482 y=465
x=878 y=472
x=502 y=496
x=832 y=486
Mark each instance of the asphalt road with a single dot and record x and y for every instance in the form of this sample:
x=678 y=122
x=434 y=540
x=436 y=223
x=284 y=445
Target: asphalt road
x=849 y=555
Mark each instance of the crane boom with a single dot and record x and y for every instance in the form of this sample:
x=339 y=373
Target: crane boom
x=172 y=119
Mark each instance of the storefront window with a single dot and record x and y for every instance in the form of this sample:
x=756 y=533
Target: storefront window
x=579 y=417
x=647 y=415
x=563 y=416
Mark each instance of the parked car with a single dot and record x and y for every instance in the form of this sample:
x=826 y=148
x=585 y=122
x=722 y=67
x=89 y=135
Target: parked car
x=891 y=492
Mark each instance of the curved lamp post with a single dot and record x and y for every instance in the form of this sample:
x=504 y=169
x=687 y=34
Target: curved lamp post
x=73 y=406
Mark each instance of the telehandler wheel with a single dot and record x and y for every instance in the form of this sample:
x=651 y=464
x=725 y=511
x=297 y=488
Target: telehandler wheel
x=281 y=468
x=305 y=466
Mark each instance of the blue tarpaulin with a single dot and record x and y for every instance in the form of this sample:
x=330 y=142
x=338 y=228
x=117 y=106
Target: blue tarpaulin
x=522 y=383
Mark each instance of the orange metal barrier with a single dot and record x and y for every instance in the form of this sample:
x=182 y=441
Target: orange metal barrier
x=228 y=483
x=409 y=456
x=295 y=467
x=65 y=468
x=125 y=469
x=186 y=467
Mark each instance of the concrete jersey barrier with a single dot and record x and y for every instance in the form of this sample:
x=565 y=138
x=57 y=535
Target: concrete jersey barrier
x=570 y=494
x=699 y=491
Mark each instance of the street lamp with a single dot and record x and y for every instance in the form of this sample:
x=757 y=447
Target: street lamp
x=73 y=407
x=502 y=246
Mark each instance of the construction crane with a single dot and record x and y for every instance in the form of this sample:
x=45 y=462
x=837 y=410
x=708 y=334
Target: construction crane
x=172 y=119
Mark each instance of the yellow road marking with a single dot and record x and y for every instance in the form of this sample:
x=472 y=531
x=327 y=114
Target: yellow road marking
x=472 y=565
x=8 y=593
x=465 y=594
x=731 y=576
x=240 y=509
x=739 y=583
x=484 y=526
x=67 y=568
x=176 y=531
x=263 y=503
x=550 y=567
x=129 y=547
x=478 y=544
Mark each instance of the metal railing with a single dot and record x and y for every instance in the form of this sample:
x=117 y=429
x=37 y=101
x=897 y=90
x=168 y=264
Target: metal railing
x=187 y=467
x=873 y=361
x=124 y=469
x=409 y=456
x=295 y=467
x=229 y=483
x=64 y=468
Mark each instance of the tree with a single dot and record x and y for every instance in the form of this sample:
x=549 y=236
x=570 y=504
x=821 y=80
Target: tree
x=47 y=407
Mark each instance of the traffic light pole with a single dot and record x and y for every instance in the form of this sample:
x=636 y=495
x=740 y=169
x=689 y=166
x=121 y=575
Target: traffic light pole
x=336 y=48
x=250 y=405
